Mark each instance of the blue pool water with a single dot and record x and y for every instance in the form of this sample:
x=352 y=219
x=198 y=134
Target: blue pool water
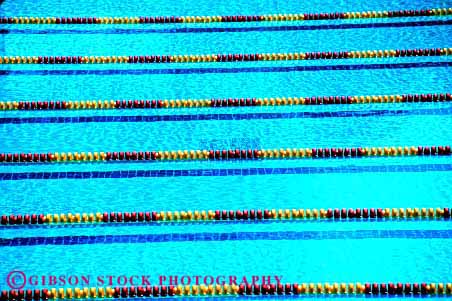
x=309 y=251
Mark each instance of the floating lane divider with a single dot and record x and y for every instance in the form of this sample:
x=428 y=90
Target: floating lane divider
x=256 y=215
x=217 y=102
x=236 y=57
x=218 y=290
x=232 y=154
x=226 y=19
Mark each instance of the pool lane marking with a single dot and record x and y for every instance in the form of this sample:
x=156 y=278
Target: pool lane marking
x=224 y=116
x=232 y=236
x=149 y=71
x=183 y=30
x=221 y=172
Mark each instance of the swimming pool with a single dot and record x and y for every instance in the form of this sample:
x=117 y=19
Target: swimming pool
x=196 y=157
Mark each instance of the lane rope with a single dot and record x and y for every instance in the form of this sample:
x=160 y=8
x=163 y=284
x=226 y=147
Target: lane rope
x=226 y=19
x=252 y=215
x=344 y=289
x=231 y=154
x=219 y=102
x=236 y=57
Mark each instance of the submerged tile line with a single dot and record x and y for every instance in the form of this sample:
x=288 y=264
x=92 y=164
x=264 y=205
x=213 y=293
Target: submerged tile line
x=228 y=29
x=225 y=116
x=221 y=172
x=224 y=70
x=234 y=236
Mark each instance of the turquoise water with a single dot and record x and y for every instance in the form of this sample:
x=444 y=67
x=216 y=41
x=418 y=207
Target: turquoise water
x=204 y=7
x=312 y=251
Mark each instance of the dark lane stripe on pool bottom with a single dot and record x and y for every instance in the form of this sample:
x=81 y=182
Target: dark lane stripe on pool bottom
x=234 y=236
x=222 y=70
x=223 y=172
x=237 y=116
x=228 y=29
